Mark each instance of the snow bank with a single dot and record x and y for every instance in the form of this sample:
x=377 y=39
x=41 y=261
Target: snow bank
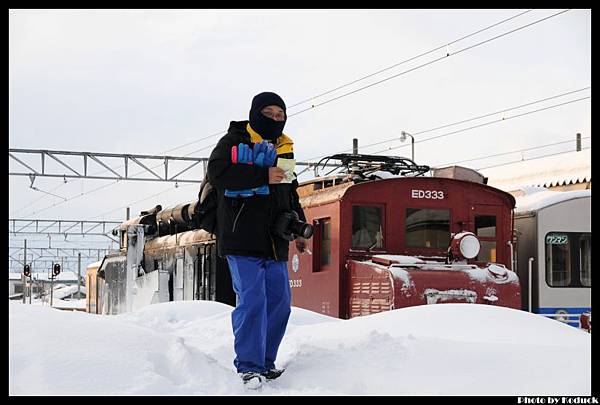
x=186 y=348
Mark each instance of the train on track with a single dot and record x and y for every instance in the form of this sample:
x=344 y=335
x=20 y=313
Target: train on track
x=554 y=254
x=385 y=237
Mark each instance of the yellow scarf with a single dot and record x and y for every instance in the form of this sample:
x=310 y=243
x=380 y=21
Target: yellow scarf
x=284 y=142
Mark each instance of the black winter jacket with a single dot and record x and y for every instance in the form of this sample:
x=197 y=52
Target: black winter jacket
x=244 y=224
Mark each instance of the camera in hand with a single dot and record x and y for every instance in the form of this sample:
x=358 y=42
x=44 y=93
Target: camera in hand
x=288 y=226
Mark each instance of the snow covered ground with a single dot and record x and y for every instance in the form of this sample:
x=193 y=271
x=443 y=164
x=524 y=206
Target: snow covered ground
x=186 y=348
x=56 y=302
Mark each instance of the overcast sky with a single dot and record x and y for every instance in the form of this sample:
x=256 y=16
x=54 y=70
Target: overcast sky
x=144 y=82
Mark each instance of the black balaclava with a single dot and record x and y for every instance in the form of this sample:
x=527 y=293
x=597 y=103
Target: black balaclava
x=266 y=127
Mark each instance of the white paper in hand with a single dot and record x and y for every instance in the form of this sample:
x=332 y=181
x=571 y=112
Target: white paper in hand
x=289 y=165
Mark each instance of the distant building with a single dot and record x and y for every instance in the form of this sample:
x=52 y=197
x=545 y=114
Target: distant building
x=69 y=292
x=41 y=283
x=563 y=172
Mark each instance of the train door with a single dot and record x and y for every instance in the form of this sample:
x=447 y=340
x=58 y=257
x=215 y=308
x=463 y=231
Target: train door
x=211 y=278
x=100 y=294
x=178 y=279
x=204 y=273
x=189 y=262
x=201 y=272
x=90 y=298
x=486 y=222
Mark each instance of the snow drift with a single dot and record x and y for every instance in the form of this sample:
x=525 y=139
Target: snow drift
x=186 y=348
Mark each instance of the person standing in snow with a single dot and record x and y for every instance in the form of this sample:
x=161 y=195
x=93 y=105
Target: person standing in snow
x=252 y=194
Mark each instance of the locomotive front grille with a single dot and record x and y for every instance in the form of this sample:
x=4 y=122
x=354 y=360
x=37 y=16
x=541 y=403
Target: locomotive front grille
x=372 y=288
x=368 y=306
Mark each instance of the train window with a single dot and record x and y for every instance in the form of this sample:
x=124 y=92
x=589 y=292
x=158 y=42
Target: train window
x=485 y=225
x=585 y=259
x=367 y=229
x=487 y=252
x=558 y=260
x=325 y=241
x=429 y=228
x=321 y=244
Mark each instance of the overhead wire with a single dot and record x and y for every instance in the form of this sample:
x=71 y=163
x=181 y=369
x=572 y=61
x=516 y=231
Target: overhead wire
x=140 y=200
x=430 y=62
x=409 y=59
x=522 y=160
x=508 y=153
x=485 y=124
x=395 y=138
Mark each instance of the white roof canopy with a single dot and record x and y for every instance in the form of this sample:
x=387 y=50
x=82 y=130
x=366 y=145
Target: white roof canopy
x=549 y=171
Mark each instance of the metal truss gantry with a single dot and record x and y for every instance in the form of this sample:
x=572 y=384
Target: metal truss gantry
x=118 y=173
x=61 y=227
x=81 y=171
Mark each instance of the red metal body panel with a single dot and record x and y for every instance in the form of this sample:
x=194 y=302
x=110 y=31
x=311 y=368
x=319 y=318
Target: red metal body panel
x=318 y=288
x=376 y=288
x=330 y=289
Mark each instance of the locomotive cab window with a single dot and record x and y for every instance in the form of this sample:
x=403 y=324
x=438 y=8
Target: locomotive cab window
x=427 y=228
x=367 y=228
x=485 y=225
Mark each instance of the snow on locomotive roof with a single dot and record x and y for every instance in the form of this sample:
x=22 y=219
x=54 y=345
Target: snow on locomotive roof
x=549 y=171
x=536 y=198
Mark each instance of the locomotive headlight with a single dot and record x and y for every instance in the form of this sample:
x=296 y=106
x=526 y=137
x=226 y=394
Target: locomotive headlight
x=469 y=246
x=464 y=245
x=561 y=315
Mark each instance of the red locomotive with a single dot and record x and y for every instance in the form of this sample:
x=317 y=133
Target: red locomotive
x=385 y=243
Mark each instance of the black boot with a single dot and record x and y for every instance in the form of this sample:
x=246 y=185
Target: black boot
x=252 y=380
x=272 y=374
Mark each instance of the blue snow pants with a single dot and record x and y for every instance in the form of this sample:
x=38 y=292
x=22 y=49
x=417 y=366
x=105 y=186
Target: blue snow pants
x=263 y=308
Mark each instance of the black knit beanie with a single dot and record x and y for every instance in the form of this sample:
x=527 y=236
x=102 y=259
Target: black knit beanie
x=266 y=127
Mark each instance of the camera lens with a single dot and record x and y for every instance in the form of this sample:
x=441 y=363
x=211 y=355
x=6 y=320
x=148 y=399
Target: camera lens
x=306 y=231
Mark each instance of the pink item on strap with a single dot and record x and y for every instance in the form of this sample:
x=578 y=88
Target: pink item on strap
x=234 y=158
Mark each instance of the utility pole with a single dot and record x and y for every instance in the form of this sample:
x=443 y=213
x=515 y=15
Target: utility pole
x=578 y=143
x=51 y=286
x=79 y=275
x=22 y=273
